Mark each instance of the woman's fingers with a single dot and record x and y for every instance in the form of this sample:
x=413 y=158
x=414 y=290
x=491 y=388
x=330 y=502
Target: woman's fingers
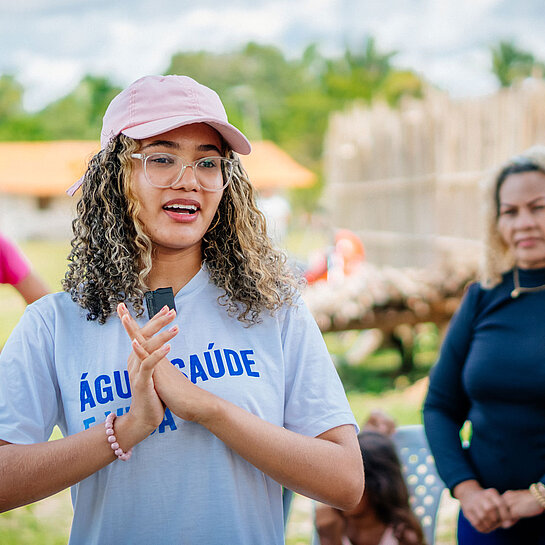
x=160 y=320
x=161 y=338
x=495 y=510
x=132 y=329
x=504 y=514
x=142 y=334
x=130 y=325
x=149 y=345
x=122 y=310
x=485 y=509
x=149 y=361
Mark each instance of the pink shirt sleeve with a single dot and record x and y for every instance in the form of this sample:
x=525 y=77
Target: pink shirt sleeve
x=13 y=265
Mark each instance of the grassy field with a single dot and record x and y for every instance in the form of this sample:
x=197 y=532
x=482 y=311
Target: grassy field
x=373 y=384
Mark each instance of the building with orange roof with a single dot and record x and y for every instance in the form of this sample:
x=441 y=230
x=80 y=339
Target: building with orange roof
x=33 y=180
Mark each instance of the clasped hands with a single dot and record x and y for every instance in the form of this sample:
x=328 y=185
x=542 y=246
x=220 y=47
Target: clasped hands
x=155 y=382
x=487 y=509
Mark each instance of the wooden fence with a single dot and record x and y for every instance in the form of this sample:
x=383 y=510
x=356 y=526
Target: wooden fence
x=407 y=180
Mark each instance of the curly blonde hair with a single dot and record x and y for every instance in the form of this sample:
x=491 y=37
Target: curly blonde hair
x=111 y=254
x=497 y=257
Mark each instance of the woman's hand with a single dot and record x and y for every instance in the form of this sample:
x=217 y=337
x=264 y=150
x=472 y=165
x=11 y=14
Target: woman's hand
x=485 y=509
x=522 y=504
x=146 y=406
x=174 y=389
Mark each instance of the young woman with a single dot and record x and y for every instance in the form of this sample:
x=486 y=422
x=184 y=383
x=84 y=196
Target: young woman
x=248 y=399
x=490 y=372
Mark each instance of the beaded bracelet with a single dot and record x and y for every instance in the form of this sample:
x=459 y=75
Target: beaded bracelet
x=118 y=451
x=538 y=492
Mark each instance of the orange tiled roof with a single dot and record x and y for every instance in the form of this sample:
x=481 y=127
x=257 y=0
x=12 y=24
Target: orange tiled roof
x=268 y=166
x=43 y=169
x=46 y=169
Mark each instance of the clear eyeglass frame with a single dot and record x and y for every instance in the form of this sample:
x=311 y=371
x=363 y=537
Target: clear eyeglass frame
x=227 y=176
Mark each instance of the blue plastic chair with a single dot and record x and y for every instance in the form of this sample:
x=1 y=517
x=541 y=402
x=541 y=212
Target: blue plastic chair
x=424 y=484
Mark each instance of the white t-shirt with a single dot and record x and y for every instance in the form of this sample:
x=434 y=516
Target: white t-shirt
x=182 y=485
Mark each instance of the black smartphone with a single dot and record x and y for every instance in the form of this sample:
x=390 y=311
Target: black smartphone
x=157 y=299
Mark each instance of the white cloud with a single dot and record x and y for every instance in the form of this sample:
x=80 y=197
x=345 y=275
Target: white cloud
x=50 y=44
x=47 y=79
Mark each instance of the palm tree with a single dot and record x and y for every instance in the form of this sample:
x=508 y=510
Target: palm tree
x=511 y=64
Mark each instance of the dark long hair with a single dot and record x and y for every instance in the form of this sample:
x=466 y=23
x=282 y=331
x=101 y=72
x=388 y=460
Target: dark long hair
x=385 y=487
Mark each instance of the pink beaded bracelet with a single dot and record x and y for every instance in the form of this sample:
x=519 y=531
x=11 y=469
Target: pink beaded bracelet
x=109 y=425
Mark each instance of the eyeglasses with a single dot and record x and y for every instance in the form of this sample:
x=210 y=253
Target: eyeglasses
x=165 y=170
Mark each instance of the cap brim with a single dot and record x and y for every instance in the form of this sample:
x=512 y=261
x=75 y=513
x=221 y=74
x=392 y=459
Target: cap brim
x=236 y=140
x=75 y=186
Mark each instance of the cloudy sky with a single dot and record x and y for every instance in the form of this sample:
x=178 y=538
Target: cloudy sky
x=50 y=44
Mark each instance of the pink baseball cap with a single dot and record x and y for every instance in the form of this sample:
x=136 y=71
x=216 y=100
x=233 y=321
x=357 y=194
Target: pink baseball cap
x=153 y=105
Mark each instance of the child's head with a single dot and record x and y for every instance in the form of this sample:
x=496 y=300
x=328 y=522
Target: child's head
x=385 y=489
x=384 y=483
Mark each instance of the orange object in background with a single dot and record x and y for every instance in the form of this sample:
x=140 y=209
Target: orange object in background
x=340 y=260
x=349 y=248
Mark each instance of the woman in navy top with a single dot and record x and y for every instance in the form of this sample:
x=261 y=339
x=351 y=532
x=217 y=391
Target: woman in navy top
x=491 y=372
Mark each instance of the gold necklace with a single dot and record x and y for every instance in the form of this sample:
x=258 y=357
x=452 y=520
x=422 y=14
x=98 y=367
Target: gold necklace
x=517 y=290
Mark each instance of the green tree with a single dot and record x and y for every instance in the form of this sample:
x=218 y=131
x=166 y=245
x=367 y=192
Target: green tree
x=78 y=115
x=253 y=83
x=15 y=123
x=358 y=74
x=289 y=101
x=368 y=75
x=11 y=97
x=511 y=64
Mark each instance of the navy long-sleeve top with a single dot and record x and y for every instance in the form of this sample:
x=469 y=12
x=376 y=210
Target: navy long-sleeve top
x=491 y=371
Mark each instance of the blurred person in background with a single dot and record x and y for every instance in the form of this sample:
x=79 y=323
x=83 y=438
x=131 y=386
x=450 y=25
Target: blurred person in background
x=196 y=449
x=16 y=270
x=491 y=371
x=384 y=515
x=277 y=211
x=342 y=259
